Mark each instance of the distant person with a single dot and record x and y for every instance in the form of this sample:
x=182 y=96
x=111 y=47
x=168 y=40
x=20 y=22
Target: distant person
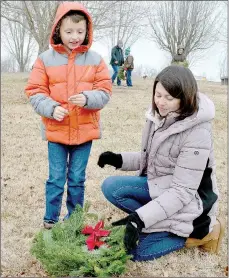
x=180 y=58
x=117 y=60
x=67 y=87
x=172 y=201
x=128 y=67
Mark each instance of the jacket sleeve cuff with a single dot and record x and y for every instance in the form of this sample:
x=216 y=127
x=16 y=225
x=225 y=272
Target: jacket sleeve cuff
x=96 y=99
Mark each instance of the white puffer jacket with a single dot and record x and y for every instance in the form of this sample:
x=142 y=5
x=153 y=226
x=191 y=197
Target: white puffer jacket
x=174 y=157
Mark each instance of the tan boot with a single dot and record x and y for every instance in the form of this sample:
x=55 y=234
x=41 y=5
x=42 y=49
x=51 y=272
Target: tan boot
x=212 y=241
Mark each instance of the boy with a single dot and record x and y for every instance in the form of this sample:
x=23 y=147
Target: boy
x=67 y=87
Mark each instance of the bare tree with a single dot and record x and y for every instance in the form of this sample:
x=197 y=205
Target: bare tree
x=19 y=43
x=128 y=23
x=39 y=17
x=192 y=24
x=101 y=16
x=223 y=67
x=223 y=27
x=34 y=16
x=8 y=64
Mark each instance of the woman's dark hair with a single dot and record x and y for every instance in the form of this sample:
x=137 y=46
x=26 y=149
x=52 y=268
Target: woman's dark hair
x=75 y=16
x=180 y=83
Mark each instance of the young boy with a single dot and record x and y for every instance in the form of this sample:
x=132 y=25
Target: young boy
x=128 y=67
x=67 y=87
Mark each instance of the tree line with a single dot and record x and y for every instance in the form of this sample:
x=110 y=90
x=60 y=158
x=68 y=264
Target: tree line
x=196 y=25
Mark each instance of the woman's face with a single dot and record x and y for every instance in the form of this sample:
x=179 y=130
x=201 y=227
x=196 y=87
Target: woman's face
x=164 y=101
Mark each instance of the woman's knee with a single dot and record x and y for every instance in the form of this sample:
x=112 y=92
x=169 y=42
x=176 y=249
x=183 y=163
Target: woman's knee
x=155 y=245
x=108 y=186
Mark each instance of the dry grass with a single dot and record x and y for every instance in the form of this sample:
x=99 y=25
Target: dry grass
x=24 y=171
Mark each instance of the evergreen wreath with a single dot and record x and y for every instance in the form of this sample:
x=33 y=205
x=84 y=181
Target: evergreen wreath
x=62 y=250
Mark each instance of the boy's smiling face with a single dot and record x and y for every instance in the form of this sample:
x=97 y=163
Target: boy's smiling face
x=72 y=34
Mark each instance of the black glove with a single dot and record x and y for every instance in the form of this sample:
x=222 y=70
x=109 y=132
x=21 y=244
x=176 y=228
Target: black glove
x=110 y=159
x=134 y=226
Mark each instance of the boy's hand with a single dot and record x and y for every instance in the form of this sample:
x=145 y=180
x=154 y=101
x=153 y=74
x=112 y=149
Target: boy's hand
x=59 y=113
x=79 y=100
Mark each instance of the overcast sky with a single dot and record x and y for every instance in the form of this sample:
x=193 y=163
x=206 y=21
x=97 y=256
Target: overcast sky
x=148 y=54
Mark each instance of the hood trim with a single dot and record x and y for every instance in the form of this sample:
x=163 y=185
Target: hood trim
x=205 y=113
x=62 y=10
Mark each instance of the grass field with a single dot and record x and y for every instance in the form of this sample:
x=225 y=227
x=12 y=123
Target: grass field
x=25 y=169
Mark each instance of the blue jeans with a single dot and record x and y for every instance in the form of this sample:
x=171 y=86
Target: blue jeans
x=130 y=193
x=115 y=69
x=128 y=78
x=65 y=163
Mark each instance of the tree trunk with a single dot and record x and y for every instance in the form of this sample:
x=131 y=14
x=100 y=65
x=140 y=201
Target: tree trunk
x=22 y=68
x=192 y=24
x=43 y=46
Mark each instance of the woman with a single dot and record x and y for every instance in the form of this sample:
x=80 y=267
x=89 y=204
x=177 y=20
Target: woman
x=175 y=195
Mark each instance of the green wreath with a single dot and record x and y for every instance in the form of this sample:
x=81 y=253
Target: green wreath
x=62 y=250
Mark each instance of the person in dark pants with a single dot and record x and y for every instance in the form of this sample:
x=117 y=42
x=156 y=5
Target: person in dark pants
x=117 y=60
x=128 y=66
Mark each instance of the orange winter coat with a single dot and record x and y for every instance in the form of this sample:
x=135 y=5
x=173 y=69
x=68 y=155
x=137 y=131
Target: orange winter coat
x=57 y=75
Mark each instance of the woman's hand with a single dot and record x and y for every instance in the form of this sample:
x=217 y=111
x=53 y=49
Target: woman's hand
x=134 y=226
x=110 y=158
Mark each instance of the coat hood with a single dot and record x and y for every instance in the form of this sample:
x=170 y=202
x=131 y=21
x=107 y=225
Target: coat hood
x=127 y=51
x=206 y=110
x=63 y=9
x=205 y=113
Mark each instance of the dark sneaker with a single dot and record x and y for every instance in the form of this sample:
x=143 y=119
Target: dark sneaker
x=48 y=225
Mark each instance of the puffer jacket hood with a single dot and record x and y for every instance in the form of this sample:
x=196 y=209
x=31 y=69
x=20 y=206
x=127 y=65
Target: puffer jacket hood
x=62 y=10
x=205 y=113
x=206 y=110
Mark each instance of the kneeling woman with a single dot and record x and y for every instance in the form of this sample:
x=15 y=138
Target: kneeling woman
x=172 y=202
